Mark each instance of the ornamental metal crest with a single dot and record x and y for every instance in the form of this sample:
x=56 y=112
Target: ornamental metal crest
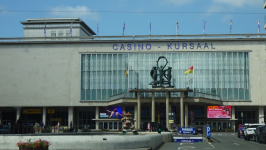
x=165 y=75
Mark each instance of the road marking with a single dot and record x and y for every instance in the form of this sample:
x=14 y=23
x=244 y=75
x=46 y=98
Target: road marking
x=186 y=143
x=186 y=147
x=236 y=144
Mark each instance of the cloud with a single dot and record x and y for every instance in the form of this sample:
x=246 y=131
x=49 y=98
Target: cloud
x=178 y=2
x=227 y=18
x=78 y=11
x=1 y=10
x=240 y=3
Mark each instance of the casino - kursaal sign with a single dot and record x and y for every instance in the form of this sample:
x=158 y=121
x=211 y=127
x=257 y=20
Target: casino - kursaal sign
x=169 y=46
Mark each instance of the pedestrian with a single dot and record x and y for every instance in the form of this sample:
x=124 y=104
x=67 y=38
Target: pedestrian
x=263 y=123
x=41 y=124
x=58 y=126
x=149 y=127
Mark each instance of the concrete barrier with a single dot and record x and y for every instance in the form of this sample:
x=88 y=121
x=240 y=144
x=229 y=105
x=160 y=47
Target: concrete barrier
x=93 y=142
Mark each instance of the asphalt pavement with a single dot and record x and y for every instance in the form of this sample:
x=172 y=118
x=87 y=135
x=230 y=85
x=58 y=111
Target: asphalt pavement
x=220 y=141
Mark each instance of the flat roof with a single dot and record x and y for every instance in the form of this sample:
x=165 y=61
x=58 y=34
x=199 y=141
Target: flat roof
x=59 y=21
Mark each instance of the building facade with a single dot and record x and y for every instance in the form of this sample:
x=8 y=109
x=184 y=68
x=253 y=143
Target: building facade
x=81 y=77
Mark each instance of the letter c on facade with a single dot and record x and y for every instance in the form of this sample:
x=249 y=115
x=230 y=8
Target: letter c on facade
x=114 y=47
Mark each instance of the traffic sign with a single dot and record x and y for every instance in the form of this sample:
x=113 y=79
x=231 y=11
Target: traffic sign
x=208 y=131
x=187 y=130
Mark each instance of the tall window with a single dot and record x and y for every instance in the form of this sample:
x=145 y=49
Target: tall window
x=53 y=34
x=219 y=73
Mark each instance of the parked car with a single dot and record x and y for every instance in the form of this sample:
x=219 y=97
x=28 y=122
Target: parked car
x=154 y=126
x=249 y=131
x=262 y=135
x=199 y=130
x=255 y=137
x=3 y=129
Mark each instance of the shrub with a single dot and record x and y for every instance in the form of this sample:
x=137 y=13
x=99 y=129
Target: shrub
x=39 y=144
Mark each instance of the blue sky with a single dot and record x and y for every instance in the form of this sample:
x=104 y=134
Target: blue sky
x=138 y=23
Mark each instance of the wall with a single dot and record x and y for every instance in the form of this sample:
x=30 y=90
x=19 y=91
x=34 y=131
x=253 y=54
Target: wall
x=49 y=74
x=92 y=142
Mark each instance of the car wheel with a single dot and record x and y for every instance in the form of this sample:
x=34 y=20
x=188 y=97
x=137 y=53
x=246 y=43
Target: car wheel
x=264 y=141
x=248 y=138
x=245 y=137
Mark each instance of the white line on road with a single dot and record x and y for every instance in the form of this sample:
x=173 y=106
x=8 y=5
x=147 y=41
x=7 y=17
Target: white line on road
x=236 y=144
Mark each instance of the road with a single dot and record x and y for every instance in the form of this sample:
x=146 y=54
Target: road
x=221 y=141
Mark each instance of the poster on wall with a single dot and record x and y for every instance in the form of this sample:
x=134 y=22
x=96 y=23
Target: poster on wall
x=219 y=112
x=110 y=112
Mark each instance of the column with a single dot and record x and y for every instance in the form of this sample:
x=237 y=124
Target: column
x=167 y=110
x=18 y=113
x=181 y=110
x=97 y=117
x=70 y=116
x=233 y=118
x=44 y=112
x=261 y=114
x=139 y=111
x=186 y=115
x=136 y=115
x=153 y=107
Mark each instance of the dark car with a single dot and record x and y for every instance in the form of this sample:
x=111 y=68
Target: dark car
x=256 y=134
x=154 y=127
x=262 y=135
x=3 y=129
x=199 y=130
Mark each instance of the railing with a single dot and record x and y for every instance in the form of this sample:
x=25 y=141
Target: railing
x=30 y=129
x=134 y=37
x=163 y=95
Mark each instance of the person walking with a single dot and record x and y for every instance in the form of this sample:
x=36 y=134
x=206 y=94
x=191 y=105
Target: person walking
x=58 y=126
x=149 y=127
x=41 y=124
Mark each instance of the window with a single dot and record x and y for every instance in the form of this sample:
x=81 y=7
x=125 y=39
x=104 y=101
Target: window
x=53 y=34
x=61 y=34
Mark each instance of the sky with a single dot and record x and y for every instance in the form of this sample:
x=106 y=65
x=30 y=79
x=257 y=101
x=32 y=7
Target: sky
x=137 y=15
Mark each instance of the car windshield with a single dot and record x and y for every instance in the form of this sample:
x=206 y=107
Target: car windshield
x=253 y=126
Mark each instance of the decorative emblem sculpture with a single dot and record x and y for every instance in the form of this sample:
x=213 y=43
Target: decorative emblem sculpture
x=164 y=75
x=128 y=123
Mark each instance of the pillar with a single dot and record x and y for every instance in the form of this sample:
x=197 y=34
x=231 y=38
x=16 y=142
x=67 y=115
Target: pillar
x=70 y=115
x=97 y=117
x=139 y=111
x=167 y=110
x=18 y=113
x=181 y=110
x=233 y=125
x=261 y=114
x=44 y=112
x=136 y=115
x=186 y=115
x=153 y=107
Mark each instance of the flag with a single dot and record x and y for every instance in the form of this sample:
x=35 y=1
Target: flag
x=45 y=29
x=204 y=22
x=258 y=26
x=231 y=23
x=177 y=27
x=150 y=27
x=97 y=29
x=126 y=72
x=190 y=70
x=70 y=32
x=124 y=28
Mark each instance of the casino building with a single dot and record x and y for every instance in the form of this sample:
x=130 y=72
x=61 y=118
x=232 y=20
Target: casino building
x=82 y=77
